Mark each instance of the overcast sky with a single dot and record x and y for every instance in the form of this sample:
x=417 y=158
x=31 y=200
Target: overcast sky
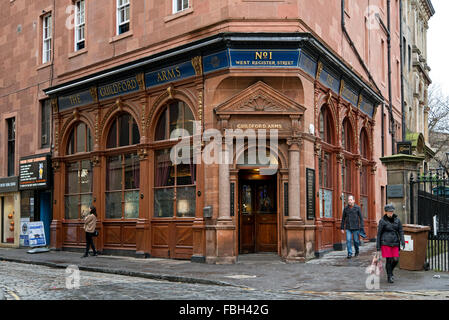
x=438 y=45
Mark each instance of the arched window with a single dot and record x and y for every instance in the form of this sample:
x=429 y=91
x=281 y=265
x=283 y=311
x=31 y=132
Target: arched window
x=78 y=182
x=364 y=177
x=123 y=169
x=325 y=125
x=123 y=132
x=347 y=165
x=80 y=139
x=364 y=150
x=174 y=181
x=177 y=115
x=346 y=135
x=325 y=169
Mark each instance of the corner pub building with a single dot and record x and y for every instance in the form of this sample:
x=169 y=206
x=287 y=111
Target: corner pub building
x=112 y=140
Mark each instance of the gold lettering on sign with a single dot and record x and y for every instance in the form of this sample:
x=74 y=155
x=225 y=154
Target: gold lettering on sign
x=168 y=74
x=264 y=55
x=259 y=126
x=75 y=99
x=118 y=87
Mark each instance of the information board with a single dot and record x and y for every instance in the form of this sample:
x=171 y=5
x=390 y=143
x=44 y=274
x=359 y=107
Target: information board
x=36 y=234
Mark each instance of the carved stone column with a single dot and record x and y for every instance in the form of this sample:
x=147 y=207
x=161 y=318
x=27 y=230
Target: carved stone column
x=294 y=225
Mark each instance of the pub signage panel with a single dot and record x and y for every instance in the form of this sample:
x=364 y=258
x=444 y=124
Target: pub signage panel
x=117 y=88
x=216 y=61
x=349 y=94
x=307 y=64
x=367 y=107
x=172 y=73
x=329 y=80
x=9 y=184
x=77 y=99
x=34 y=172
x=264 y=58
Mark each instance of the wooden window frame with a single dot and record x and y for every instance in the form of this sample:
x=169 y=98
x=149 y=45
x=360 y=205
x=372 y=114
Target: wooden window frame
x=175 y=6
x=79 y=194
x=80 y=25
x=47 y=29
x=120 y=23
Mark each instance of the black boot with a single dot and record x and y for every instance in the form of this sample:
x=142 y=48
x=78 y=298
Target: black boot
x=394 y=263
x=388 y=266
x=85 y=255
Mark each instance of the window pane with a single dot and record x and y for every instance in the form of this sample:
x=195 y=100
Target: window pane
x=85 y=176
x=86 y=201
x=81 y=138
x=89 y=141
x=176 y=111
x=71 y=207
x=161 y=127
x=113 y=205
x=185 y=171
x=136 y=134
x=185 y=202
x=132 y=171
x=188 y=119
x=165 y=170
x=364 y=206
x=112 y=137
x=114 y=173
x=72 y=178
x=131 y=204
x=163 y=202
x=71 y=144
x=124 y=130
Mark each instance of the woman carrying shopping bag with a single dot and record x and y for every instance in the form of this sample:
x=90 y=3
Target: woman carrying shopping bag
x=90 y=221
x=389 y=237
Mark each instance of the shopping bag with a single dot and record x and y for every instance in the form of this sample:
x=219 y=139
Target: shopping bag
x=376 y=266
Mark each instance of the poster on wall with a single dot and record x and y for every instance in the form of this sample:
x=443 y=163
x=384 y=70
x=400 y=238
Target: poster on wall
x=24 y=232
x=36 y=234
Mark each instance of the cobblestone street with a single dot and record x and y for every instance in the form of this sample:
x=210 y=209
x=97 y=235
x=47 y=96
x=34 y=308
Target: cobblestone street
x=33 y=282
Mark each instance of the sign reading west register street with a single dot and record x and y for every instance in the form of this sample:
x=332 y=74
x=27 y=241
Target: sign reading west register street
x=34 y=172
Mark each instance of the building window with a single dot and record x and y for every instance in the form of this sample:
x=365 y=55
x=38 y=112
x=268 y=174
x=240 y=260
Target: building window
x=180 y=5
x=80 y=140
x=11 y=123
x=78 y=191
x=346 y=135
x=123 y=132
x=122 y=16
x=46 y=36
x=325 y=181
x=123 y=170
x=177 y=115
x=45 y=123
x=175 y=183
x=122 y=186
x=80 y=24
x=325 y=125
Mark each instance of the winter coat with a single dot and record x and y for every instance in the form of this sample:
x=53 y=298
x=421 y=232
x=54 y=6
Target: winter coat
x=390 y=233
x=90 y=221
x=352 y=218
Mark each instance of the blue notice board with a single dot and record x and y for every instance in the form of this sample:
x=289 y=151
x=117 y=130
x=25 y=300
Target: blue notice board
x=36 y=234
x=264 y=58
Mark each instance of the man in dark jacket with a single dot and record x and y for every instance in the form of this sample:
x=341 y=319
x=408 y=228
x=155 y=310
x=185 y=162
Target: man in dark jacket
x=352 y=221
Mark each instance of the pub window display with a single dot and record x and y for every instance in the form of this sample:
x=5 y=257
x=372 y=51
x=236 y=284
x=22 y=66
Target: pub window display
x=174 y=184
x=78 y=187
x=123 y=170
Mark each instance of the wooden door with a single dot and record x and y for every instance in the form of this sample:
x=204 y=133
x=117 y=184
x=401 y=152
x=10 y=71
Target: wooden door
x=258 y=215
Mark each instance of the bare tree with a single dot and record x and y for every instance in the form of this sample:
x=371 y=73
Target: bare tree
x=439 y=126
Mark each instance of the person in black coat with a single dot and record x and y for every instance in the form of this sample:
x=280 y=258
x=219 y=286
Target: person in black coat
x=390 y=236
x=352 y=221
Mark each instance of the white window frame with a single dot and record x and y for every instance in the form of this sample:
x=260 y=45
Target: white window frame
x=121 y=6
x=80 y=22
x=185 y=4
x=46 y=37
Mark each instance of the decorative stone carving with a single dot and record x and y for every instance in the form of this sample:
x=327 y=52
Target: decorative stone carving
x=197 y=65
x=141 y=80
x=93 y=93
x=143 y=154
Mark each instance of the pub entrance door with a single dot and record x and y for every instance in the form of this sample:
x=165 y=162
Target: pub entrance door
x=258 y=212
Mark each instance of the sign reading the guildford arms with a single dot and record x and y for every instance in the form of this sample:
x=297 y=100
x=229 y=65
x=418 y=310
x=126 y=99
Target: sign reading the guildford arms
x=225 y=59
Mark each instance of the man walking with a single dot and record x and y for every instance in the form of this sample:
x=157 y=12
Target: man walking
x=352 y=222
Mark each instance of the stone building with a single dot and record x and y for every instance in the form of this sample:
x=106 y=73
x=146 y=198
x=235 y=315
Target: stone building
x=416 y=80
x=121 y=76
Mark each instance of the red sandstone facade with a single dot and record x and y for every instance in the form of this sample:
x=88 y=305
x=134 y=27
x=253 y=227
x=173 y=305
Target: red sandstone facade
x=320 y=129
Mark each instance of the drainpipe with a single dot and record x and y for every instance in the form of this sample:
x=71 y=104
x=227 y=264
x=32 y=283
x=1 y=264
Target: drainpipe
x=393 y=138
x=402 y=72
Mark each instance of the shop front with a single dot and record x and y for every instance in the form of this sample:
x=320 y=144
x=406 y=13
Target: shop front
x=35 y=182
x=205 y=154
x=9 y=212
